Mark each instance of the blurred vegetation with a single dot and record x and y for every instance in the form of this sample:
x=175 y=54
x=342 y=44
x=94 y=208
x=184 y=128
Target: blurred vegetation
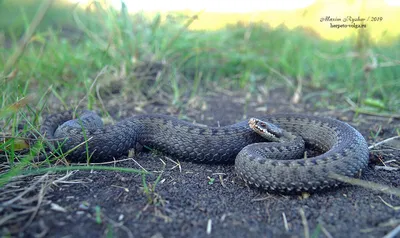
x=382 y=29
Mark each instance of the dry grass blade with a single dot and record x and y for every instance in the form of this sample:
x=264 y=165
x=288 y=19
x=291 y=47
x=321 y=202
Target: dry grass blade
x=326 y=232
x=393 y=233
x=38 y=204
x=5 y=219
x=120 y=225
x=177 y=164
x=26 y=191
x=383 y=142
x=102 y=72
x=112 y=162
x=367 y=184
x=305 y=223
x=387 y=168
x=25 y=204
x=396 y=208
x=297 y=93
x=28 y=34
x=285 y=223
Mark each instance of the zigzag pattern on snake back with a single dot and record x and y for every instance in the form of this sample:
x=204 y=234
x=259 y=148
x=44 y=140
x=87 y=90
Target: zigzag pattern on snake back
x=271 y=165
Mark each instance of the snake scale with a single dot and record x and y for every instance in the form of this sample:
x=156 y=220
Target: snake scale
x=274 y=166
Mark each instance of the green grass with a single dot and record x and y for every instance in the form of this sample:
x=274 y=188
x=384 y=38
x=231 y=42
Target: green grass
x=237 y=54
x=73 y=50
x=149 y=189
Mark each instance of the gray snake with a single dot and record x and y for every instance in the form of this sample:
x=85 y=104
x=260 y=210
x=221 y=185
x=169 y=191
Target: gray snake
x=274 y=166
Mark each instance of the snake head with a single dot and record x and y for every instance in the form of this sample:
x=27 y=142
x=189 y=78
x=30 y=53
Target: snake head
x=267 y=130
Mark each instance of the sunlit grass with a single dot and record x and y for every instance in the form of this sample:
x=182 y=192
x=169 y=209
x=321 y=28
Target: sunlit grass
x=71 y=58
x=381 y=19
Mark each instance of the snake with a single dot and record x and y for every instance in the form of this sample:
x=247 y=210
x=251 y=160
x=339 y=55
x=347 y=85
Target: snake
x=269 y=152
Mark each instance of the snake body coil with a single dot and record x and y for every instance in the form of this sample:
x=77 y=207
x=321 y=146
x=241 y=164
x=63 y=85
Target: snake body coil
x=272 y=166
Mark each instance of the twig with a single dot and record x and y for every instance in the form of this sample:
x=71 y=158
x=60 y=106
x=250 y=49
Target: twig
x=382 y=142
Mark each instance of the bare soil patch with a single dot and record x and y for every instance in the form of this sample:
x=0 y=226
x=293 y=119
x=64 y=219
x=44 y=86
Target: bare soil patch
x=203 y=200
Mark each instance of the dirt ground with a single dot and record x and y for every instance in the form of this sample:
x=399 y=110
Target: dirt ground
x=203 y=200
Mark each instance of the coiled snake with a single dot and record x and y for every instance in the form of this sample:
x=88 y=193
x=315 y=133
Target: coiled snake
x=276 y=166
